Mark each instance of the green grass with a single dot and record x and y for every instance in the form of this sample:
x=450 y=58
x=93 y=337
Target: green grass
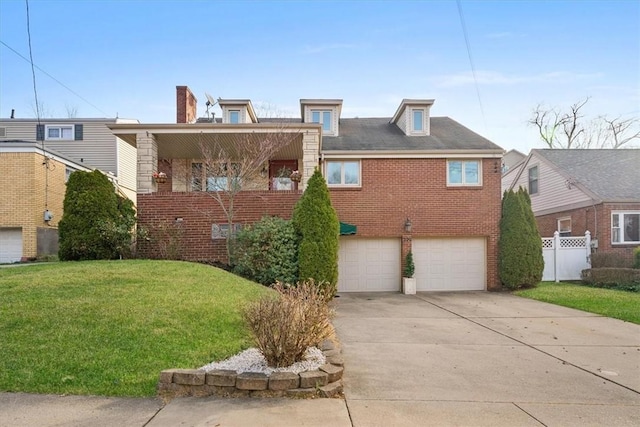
x=110 y=327
x=607 y=302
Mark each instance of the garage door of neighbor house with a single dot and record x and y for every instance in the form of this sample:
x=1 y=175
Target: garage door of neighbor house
x=10 y=245
x=450 y=264
x=369 y=265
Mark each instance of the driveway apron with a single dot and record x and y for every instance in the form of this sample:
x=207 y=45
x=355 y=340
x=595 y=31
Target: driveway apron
x=478 y=358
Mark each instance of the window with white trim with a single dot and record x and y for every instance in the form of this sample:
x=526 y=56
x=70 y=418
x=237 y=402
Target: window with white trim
x=205 y=178
x=234 y=116
x=343 y=173
x=464 y=173
x=59 y=132
x=417 y=125
x=533 y=180
x=564 y=226
x=68 y=170
x=625 y=227
x=323 y=117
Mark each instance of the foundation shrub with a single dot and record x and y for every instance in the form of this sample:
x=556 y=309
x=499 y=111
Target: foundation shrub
x=609 y=260
x=267 y=251
x=616 y=278
x=287 y=323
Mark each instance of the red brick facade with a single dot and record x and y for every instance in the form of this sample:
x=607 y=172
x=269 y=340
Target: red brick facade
x=392 y=191
x=396 y=189
x=597 y=220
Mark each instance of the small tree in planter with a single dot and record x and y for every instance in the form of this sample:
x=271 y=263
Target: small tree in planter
x=408 y=281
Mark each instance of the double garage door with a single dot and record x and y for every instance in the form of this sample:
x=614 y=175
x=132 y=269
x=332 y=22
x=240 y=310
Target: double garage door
x=373 y=265
x=10 y=245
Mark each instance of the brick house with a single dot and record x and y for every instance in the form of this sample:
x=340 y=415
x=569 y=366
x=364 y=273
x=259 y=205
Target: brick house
x=32 y=189
x=87 y=140
x=574 y=191
x=407 y=181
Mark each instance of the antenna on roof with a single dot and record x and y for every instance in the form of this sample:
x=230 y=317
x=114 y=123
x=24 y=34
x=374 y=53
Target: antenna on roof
x=210 y=103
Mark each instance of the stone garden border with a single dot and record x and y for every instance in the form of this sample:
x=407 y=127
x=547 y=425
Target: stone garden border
x=326 y=381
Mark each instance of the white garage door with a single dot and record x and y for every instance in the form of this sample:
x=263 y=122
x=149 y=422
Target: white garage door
x=450 y=264
x=369 y=265
x=10 y=245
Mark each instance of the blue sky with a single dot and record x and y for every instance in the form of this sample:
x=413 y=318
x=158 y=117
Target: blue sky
x=126 y=57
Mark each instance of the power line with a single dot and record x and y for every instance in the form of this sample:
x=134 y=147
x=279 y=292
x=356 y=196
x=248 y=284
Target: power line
x=53 y=78
x=473 y=68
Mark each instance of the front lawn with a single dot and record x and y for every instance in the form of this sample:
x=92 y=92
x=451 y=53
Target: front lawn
x=110 y=327
x=607 y=302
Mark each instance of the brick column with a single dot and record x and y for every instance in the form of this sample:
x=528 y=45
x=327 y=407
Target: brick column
x=147 y=162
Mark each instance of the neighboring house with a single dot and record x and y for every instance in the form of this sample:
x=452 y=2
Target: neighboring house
x=32 y=189
x=410 y=181
x=510 y=159
x=88 y=140
x=573 y=191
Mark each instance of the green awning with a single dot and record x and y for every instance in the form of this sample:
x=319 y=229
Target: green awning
x=347 y=229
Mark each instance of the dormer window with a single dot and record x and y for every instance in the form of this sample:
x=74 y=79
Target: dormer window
x=418 y=121
x=325 y=112
x=234 y=116
x=412 y=117
x=323 y=117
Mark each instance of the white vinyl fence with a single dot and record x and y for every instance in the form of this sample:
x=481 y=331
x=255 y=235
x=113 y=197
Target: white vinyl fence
x=565 y=257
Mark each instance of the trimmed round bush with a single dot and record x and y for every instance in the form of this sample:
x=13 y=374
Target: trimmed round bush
x=267 y=251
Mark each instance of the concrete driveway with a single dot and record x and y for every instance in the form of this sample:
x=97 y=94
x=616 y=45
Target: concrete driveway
x=477 y=358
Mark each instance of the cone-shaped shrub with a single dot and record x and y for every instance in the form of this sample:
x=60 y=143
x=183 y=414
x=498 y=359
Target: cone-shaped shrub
x=316 y=222
x=520 y=258
x=96 y=223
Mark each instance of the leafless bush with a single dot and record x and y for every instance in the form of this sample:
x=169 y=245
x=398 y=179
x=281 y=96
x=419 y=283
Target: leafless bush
x=286 y=324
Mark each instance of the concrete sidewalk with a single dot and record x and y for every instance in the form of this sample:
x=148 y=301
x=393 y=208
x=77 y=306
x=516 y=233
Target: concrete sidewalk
x=478 y=358
x=442 y=359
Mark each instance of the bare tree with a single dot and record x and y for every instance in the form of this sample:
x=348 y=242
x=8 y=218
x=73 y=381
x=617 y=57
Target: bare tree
x=233 y=163
x=72 y=111
x=570 y=129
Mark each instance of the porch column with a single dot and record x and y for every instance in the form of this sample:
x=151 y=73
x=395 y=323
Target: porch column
x=310 y=155
x=147 y=162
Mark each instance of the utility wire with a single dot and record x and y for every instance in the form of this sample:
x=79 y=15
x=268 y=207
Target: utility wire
x=50 y=76
x=473 y=68
x=33 y=71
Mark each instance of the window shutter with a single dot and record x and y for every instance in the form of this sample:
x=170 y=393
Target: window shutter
x=39 y=132
x=78 y=130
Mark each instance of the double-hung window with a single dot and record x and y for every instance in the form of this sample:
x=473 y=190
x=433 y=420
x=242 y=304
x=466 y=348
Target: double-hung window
x=417 y=125
x=533 y=180
x=59 y=132
x=234 y=116
x=343 y=173
x=214 y=178
x=625 y=227
x=323 y=117
x=464 y=173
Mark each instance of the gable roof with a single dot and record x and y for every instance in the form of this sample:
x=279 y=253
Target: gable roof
x=379 y=134
x=611 y=174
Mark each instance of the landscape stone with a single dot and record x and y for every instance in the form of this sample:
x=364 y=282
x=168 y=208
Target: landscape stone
x=188 y=376
x=312 y=379
x=327 y=345
x=336 y=360
x=252 y=381
x=331 y=353
x=283 y=381
x=333 y=389
x=222 y=377
x=334 y=372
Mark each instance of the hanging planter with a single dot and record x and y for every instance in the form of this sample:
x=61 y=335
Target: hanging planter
x=295 y=176
x=160 y=177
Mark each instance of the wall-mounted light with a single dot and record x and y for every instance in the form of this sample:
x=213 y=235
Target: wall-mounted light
x=407 y=225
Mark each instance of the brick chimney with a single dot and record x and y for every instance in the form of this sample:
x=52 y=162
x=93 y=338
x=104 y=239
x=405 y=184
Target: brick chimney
x=186 y=110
